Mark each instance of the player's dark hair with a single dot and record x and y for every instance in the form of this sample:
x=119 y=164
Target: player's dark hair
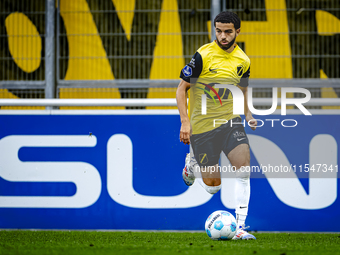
x=228 y=17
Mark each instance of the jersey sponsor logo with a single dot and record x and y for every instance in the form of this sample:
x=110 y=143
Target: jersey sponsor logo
x=213 y=70
x=207 y=91
x=187 y=71
x=240 y=139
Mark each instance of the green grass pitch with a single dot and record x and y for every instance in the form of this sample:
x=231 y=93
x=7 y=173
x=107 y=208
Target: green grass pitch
x=93 y=242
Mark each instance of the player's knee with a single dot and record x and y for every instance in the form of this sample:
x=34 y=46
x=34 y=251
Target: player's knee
x=241 y=163
x=212 y=185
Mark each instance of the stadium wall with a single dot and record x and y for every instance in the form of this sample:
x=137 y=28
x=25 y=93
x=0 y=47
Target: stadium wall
x=122 y=170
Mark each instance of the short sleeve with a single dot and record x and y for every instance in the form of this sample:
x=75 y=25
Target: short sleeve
x=244 y=82
x=193 y=69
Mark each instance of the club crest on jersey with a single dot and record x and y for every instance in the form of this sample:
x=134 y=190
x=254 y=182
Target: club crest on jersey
x=240 y=70
x=187 y=71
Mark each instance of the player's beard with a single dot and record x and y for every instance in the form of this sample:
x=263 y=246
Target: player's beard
x=228 y=45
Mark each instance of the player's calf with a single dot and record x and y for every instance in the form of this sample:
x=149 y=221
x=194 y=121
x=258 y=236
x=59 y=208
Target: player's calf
x=242 y=195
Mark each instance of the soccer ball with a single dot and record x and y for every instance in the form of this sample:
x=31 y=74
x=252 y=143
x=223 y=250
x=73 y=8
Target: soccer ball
x=220 y=225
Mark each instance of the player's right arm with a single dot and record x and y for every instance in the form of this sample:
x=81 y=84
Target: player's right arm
x=181 y=97
x=189 y=72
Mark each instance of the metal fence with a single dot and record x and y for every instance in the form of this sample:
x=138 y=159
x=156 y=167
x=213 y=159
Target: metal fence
x=22 y=61
x=139 y=40
x=136 y=49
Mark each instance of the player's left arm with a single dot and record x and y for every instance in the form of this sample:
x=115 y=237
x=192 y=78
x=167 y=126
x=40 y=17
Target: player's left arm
x=243 y=85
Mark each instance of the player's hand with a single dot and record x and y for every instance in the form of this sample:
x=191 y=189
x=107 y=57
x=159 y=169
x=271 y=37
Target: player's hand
x=251 y=121
x=184 y=135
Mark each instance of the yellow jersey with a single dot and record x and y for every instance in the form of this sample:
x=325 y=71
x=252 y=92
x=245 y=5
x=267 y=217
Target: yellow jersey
x=209 y=66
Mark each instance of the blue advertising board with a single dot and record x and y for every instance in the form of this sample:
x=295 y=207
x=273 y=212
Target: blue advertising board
x=124 y=172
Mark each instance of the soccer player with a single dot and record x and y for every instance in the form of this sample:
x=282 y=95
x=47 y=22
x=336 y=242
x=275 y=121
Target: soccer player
x=220 y=61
